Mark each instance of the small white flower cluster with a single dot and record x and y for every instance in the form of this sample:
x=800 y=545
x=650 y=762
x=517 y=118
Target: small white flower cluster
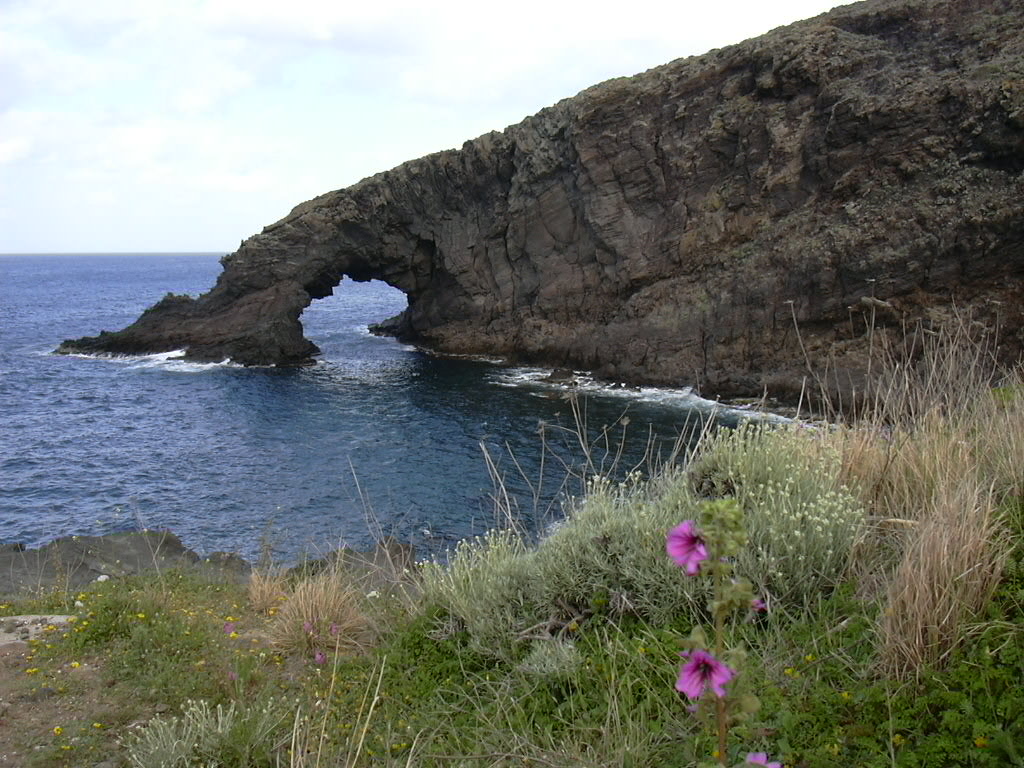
x=800 y=541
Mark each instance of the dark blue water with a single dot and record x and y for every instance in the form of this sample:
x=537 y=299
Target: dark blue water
x=377 y=438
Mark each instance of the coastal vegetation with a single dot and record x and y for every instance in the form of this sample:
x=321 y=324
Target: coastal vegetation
x=884 y=544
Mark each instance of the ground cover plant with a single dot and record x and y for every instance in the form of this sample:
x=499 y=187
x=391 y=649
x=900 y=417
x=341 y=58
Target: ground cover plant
x=886 y=547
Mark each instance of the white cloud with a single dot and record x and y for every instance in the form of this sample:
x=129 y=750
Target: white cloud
x=14 y=149
x=190 y=124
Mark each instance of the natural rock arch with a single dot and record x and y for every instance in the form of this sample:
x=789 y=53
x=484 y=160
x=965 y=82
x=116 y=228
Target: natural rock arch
x=677 y=226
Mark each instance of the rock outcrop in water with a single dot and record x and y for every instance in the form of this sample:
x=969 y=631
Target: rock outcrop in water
x=722 y=221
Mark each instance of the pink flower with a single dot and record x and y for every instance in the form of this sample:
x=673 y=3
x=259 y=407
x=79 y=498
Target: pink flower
x=703 y=671
x=320 y=657
x=761 y=758
x=307 y=627
x=686 y=546
x=229 y=627
x=757 y=605
x=335 y=629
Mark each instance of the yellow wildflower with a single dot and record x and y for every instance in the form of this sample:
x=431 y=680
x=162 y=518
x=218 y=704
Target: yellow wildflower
x=57 y=730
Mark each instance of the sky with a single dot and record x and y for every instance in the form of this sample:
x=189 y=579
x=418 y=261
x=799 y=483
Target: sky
x=189 y=125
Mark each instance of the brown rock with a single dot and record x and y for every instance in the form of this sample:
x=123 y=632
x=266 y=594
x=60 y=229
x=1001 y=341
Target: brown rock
x=717 y=221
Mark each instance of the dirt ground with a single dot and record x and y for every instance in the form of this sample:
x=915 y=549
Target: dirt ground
x=53 y=716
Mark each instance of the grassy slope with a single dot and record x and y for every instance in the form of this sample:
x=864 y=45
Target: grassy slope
x=890 y=550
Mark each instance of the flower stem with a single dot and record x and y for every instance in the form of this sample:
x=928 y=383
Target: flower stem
x=720 y=713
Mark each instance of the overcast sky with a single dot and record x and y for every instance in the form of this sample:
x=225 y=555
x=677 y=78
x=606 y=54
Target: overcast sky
x=188 y=125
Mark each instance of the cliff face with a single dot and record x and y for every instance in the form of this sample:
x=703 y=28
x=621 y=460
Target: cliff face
x=679 y=226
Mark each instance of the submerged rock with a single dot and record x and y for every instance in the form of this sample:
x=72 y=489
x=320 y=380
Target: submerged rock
x=726 y=221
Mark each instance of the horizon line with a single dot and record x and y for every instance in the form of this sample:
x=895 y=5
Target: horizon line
x=113 y=253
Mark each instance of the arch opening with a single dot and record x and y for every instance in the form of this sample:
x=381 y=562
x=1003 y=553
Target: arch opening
x=351 y=311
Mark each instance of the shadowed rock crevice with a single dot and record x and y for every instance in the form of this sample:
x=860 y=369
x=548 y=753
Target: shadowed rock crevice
x=719 y=221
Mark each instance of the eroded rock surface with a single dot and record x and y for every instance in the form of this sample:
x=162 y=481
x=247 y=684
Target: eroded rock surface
x=678 y=227
x=72 y=562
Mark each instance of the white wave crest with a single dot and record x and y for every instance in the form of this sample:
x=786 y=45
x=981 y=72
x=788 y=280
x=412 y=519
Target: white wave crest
x=167 y=361
x=583 y=382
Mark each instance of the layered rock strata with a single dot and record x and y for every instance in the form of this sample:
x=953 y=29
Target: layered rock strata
x=728 y=221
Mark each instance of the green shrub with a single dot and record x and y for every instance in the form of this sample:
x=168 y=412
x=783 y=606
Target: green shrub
x=226 y=737
x=611 y=547
x=606 y=557
x=483 y=586
x=802 y=522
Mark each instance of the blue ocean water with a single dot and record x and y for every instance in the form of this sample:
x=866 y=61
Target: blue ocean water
x=378 y=437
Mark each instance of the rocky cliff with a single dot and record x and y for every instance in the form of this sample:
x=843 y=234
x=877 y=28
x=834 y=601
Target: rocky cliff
x=720 y=221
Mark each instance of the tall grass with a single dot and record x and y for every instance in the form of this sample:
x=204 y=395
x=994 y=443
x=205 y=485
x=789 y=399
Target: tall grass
x=950 y=566
x=933 y=456
x=599 y=701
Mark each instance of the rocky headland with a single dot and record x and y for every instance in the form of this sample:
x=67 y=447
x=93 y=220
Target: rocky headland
x=727 y=221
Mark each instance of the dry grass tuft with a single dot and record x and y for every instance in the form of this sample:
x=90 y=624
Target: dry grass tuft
x=951 y=564
x=324 y=612
x=268 y=588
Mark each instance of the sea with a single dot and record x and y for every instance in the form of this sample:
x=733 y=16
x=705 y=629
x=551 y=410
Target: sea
x=378 y=438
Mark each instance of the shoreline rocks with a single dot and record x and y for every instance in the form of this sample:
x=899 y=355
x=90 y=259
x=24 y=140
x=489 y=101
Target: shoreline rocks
x=73 y=562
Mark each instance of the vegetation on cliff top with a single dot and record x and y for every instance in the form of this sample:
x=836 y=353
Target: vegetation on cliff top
x=888 y=548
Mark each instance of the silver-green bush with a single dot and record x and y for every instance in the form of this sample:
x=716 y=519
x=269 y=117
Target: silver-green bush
x=607 y=555
x=611 y=547
x=483 y=585
x=801 y=520
x=204 y=736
